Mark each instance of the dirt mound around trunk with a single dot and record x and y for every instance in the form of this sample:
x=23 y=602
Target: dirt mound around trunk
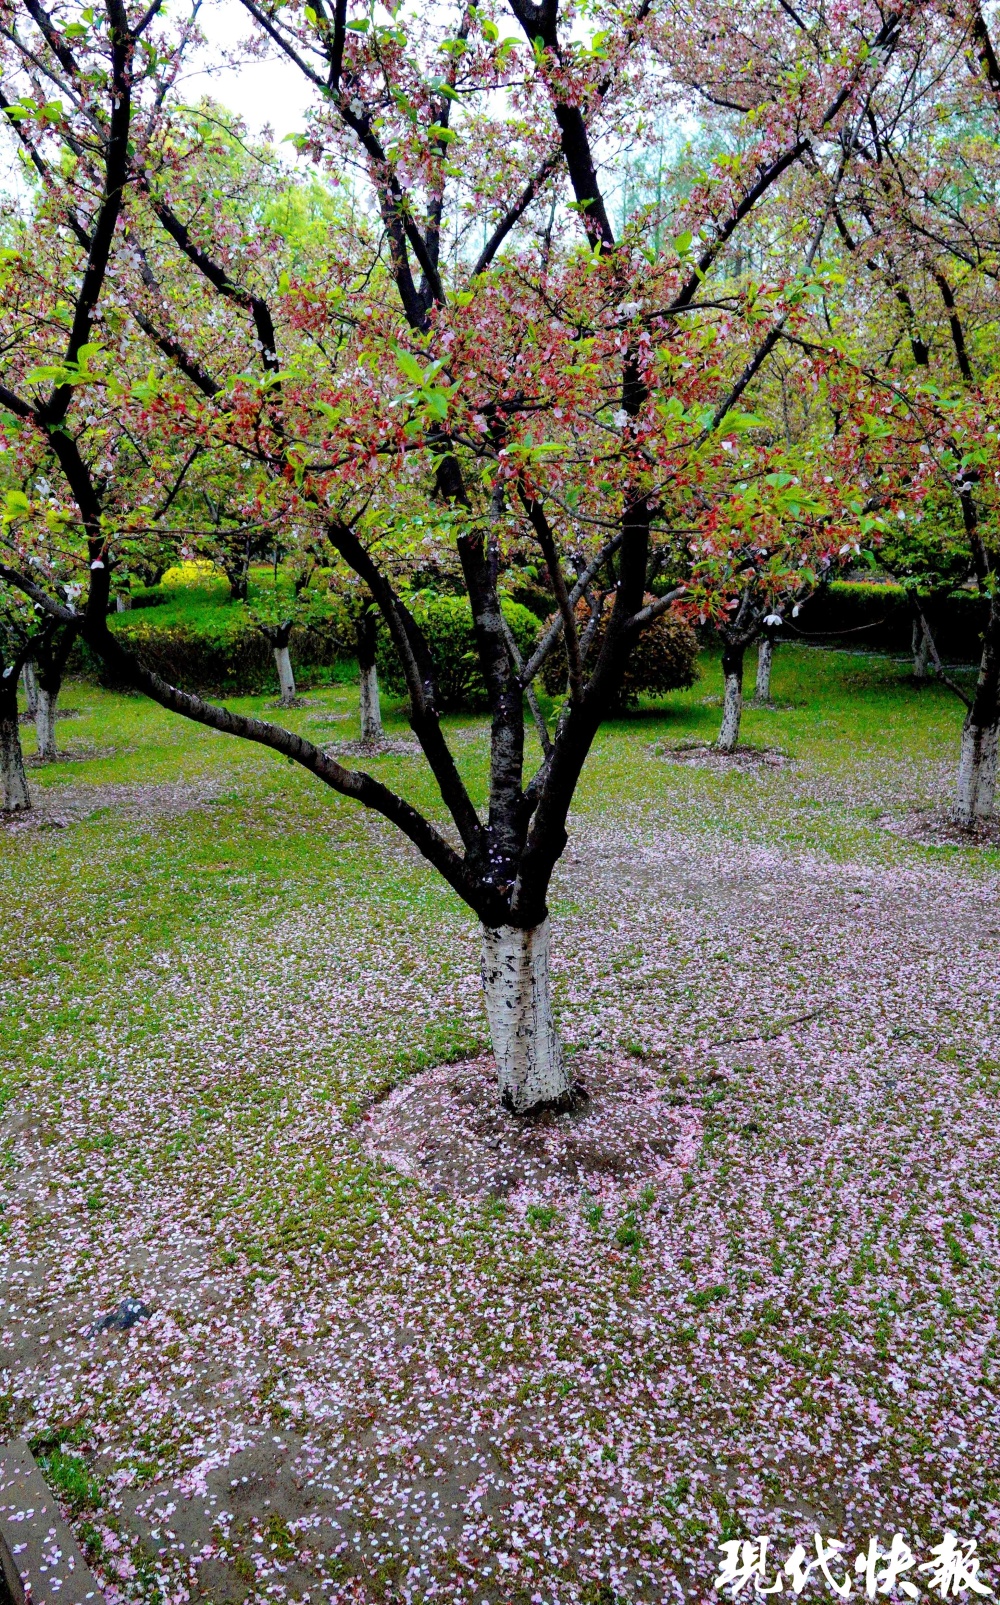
x=447 y=1130
x=705 y=755
x=936 y=827
x=391 y=746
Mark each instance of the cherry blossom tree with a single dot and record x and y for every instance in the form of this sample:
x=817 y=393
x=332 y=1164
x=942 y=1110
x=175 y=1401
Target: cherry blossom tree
x=485 y=362
x=917 y=225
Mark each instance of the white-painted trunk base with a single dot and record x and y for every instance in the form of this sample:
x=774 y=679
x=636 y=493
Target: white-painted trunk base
x=45 y=725
x=921 y=648
x=732 y=710
x=286 y=679
x=518 y=992
x=765 y=658
x=977 y=772
x=16 y=797
x=371 y=708
x=30 y=684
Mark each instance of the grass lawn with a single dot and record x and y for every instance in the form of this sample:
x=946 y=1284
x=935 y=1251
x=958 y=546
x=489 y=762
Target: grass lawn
x=352 y=1389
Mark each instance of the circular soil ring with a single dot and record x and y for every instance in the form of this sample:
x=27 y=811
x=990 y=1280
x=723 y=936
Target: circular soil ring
x=935 y=827
x=704 y=755
x=397 y=747
x=446 y=1129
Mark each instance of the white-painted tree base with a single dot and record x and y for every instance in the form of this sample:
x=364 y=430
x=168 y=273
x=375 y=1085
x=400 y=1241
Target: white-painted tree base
x=765 y=658
x=977 y=773
x=286 y=678
x=16 y=797
x=371 y=708
x=732 y=710
x=45 y=725
x=921 y=650
x=518 y=992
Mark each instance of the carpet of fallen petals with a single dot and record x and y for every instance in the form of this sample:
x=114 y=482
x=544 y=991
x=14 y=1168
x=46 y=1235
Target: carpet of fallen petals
x=355 y=1387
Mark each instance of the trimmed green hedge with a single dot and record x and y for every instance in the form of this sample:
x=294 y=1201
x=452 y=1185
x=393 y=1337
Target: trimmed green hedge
x=877 y=617
x=190 y=632
x=446 y=623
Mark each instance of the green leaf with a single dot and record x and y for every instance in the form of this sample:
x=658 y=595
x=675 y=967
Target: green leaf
x=409 y=367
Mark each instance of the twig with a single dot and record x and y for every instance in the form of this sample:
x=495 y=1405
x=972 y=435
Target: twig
x=944 y=678
x=779 y=1030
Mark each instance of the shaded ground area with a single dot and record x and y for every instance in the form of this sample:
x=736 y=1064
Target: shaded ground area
x=554 y=1381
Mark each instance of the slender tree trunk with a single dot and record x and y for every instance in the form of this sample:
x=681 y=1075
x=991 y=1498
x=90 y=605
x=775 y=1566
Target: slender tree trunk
x=45 y=724
x=977 y=764
x=30 y=683
x=124 y=602
x=16 y=797
x=765 y=658
x=371 y=709
x=530 y=1067
x=732 y=700
x=286 y=679
x=920 y=650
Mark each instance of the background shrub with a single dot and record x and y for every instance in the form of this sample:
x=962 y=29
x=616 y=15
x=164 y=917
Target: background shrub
x=665 y=657
x=188 y=630
x=878 y=617
x=446 y=622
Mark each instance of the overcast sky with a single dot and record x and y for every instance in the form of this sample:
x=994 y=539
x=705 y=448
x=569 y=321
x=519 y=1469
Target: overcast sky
x=261 y=92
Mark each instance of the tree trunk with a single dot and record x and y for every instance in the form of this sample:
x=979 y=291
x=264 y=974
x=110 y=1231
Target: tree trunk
x=765 y=658
x=977 y=772
x=30 y=688
x=371 y=710
x=16 y=797
x=45 y=724
x=732 y=701
x=286 y=679
x=124 y=602
x=977 y=764
x=920 y=650
x=530 y=1068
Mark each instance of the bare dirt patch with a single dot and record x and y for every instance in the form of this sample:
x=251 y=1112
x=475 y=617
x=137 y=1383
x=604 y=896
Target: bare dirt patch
x=705 y=755
x=936 y=827
x=446 y=1129
x=57 y=808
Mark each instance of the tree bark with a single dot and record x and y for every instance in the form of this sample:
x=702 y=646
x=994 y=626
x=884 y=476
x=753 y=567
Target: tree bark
x=371 y=709
x=765 y=658
x=45 y=725
x=286 y=678
x=531 y=1072
x=920 y=649
x=732 y=700
x=30 y=683
x=123 y=603
x=16 y=797
x=977 y=764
